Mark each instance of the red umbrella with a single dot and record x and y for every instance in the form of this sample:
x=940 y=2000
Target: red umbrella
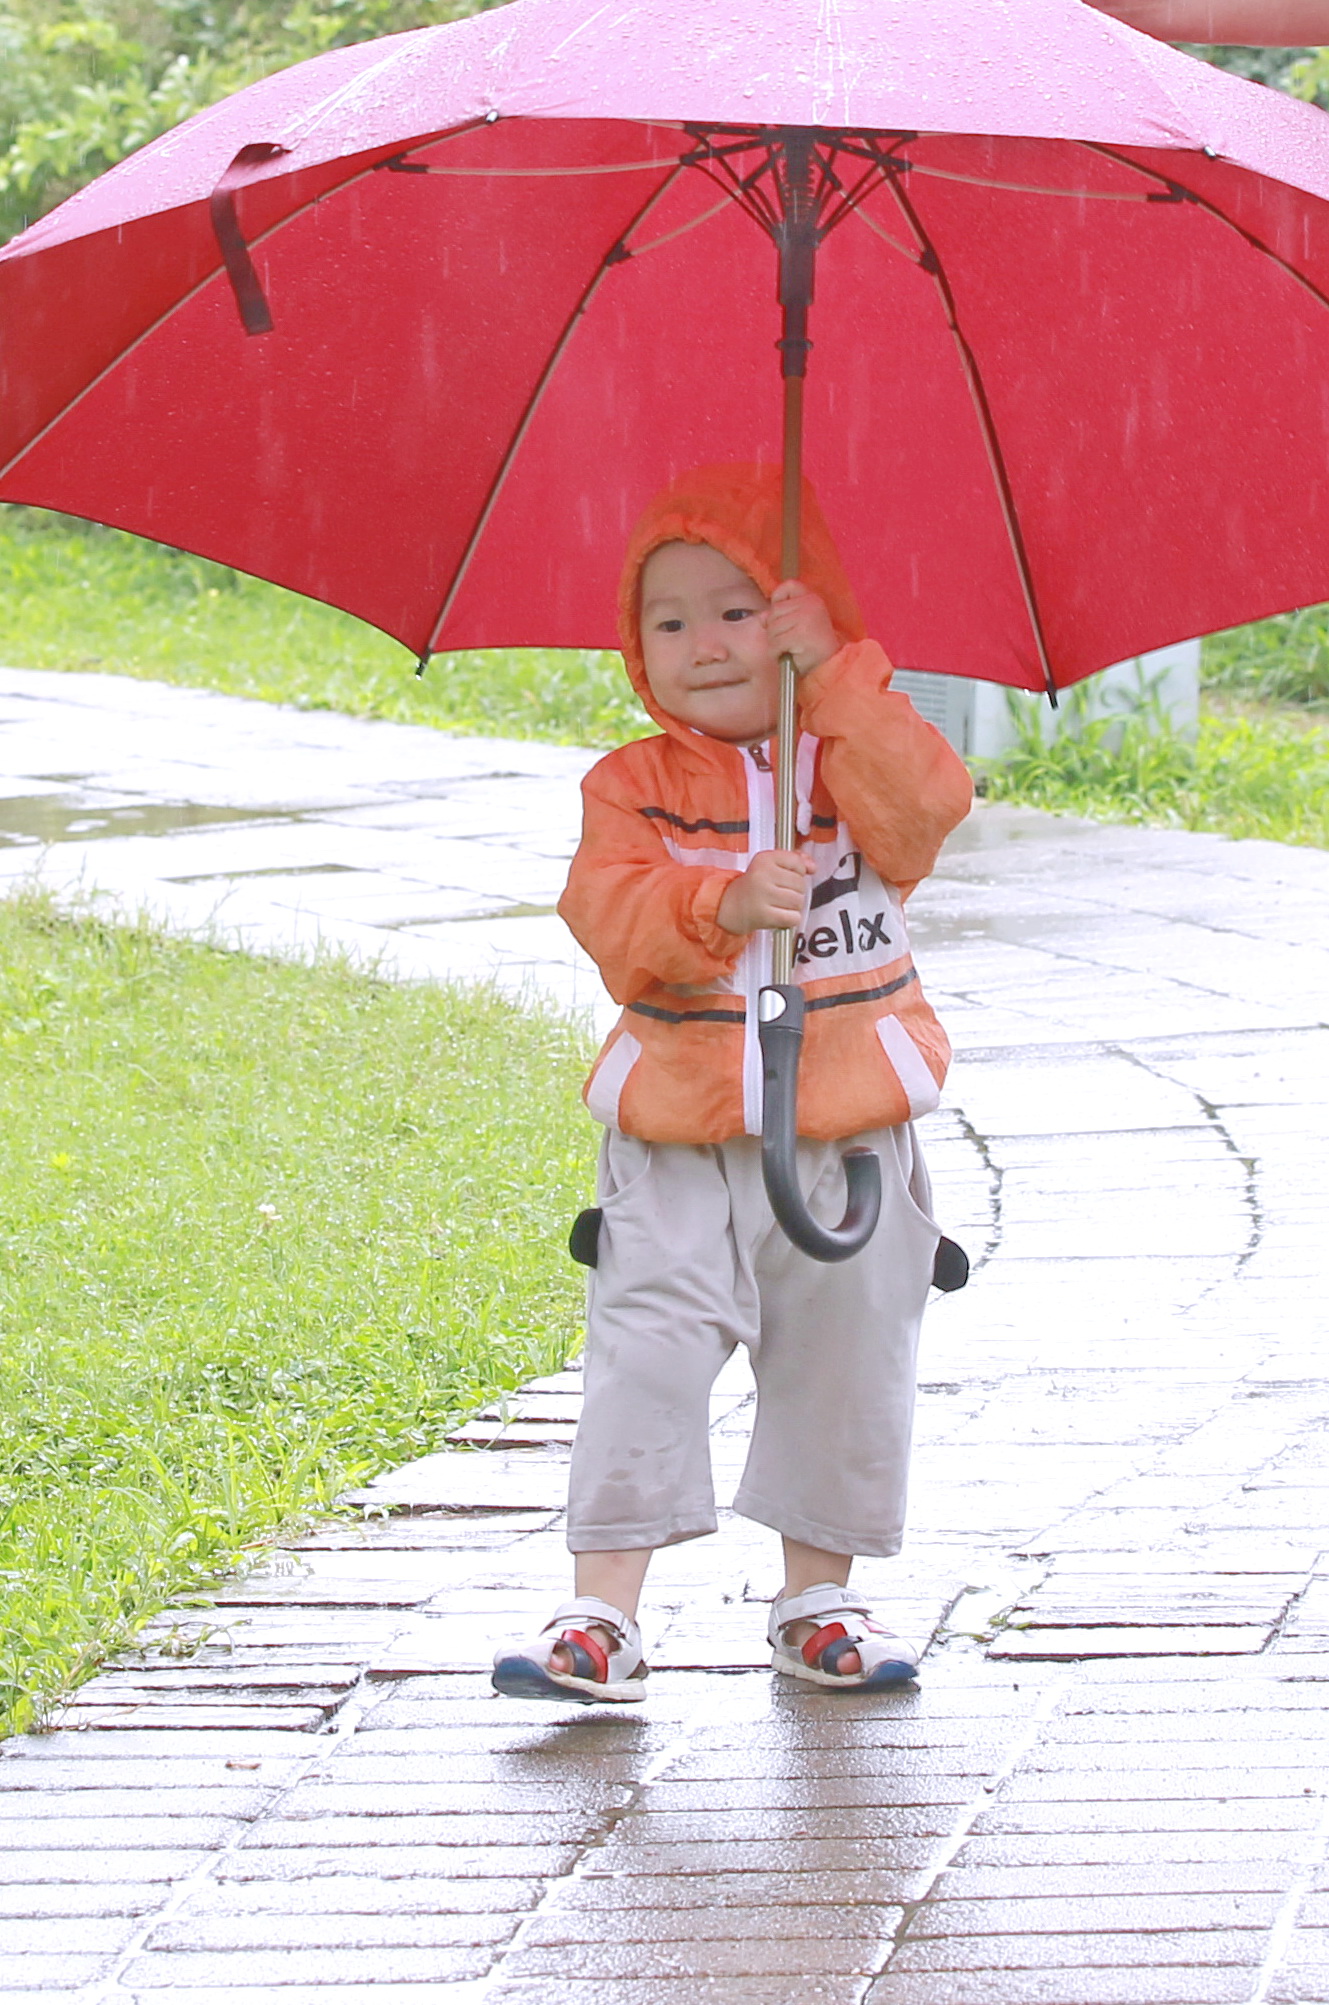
x=1066 y=400
x=1071 y=319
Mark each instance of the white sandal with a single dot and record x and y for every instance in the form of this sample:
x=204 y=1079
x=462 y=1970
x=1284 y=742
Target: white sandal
x=844 y=1624
x=613 y=1677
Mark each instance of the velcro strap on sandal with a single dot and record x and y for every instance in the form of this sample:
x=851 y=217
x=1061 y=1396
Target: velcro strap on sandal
x=835 y=1653
x=587 y=1610
x=596 y=1664
x=825 y=1602
x=834 y=1632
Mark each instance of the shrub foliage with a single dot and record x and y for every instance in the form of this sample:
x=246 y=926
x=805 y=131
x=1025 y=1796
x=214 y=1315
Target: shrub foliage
x=83 y=84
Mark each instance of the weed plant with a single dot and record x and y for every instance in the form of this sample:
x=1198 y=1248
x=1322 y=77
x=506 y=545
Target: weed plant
x=264 y=1228
x=1241 y=776
x=1284 y=660
x=76 y=596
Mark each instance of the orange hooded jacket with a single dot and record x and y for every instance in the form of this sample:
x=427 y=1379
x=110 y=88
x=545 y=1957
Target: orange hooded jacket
x=671 y=821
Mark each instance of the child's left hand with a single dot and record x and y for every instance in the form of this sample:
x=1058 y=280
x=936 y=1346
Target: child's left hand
x=798 y=624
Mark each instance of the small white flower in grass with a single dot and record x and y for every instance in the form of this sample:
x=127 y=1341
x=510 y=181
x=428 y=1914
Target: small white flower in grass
x=269 y=1214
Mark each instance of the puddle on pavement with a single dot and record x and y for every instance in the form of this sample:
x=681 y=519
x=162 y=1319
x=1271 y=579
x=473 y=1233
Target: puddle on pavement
x=270 y=870
x=46 y=818
x=463 y=918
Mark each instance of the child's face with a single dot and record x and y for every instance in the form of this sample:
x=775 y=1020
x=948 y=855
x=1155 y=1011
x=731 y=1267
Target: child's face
x=703 y=636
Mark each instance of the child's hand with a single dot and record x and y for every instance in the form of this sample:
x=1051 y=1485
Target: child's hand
x=770 y=892
x=798 y=624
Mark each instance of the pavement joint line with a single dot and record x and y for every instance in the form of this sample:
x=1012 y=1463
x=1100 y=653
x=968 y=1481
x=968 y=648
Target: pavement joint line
x=1049 y=1704
x=1089 y=965
x=711 y=1711
x=1088 y=1047
x=1251 y=1192
x=106 y=1988
x=1214 y=1122
x=1285 y=1922
x=991 y=1602
x=982 y=1146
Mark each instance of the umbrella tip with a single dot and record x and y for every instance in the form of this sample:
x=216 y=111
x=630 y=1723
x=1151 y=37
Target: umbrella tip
x=422 y=663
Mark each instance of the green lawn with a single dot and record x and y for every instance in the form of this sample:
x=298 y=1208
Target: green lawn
x=75 y=596
x=263 y=1230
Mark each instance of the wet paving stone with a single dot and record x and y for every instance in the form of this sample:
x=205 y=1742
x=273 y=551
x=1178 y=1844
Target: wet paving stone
x=758 y=1957
x=1061 y=1914
x=652 y=1828
x=67 y=1935
x=1159 y=1985
x=1204 y=1813
x=731 y=1923
x=1008 y=1952
x=1308 y=1985
x=175 y=1969
x=1138 y=1881
x=505 y=1830
x=454 y=1864
x=333 y=1929
x=771 y=1989
x=43 y=1899
x=42 y=1973
x=843 y=1891
x=439 y=1892
x=789 y=1855
x=1272 y=1853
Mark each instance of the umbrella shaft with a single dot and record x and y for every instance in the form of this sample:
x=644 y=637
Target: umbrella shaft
x=782 y=941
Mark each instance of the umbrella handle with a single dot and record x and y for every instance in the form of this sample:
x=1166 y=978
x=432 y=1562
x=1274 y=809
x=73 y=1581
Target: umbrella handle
x=780 y=1028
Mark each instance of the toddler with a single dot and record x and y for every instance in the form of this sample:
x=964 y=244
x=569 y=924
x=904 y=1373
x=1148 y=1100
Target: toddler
x=673 y=890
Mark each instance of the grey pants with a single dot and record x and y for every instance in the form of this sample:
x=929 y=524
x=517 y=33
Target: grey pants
x=692 y=1263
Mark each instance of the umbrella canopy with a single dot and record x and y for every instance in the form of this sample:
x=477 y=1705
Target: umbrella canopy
x=1066 y=399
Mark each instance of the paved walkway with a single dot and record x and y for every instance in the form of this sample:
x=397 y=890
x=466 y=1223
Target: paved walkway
x=1112 y=1782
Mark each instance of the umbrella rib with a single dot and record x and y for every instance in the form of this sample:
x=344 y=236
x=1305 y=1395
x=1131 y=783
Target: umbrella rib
x=617 y=253
x=932 y=265
x=1178 y=191
x=539 y=173
x=913 y=255
x=729 y=202
x=1025 y=187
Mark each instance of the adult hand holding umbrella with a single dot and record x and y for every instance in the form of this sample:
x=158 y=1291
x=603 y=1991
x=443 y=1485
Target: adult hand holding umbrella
x=1069 y=291
x=1257 y=23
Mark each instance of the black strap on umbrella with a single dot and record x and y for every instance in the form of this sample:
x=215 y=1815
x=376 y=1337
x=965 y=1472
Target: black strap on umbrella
x=255 y=314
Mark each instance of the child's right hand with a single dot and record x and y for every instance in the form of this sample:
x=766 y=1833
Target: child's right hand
x=771 y=892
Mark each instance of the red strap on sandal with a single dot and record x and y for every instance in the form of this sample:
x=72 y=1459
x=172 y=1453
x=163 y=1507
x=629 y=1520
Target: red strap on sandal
x=595 y=1651
x=812 y=1649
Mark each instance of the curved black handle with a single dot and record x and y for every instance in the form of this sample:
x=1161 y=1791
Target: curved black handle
x=780 y=1028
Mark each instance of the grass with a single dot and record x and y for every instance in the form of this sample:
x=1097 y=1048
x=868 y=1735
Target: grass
x=264 y=1228
x=1284 y=660
x=1244 y=774
x=77 y=596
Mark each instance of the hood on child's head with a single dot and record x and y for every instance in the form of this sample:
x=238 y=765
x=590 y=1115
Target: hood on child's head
x=736 y=509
